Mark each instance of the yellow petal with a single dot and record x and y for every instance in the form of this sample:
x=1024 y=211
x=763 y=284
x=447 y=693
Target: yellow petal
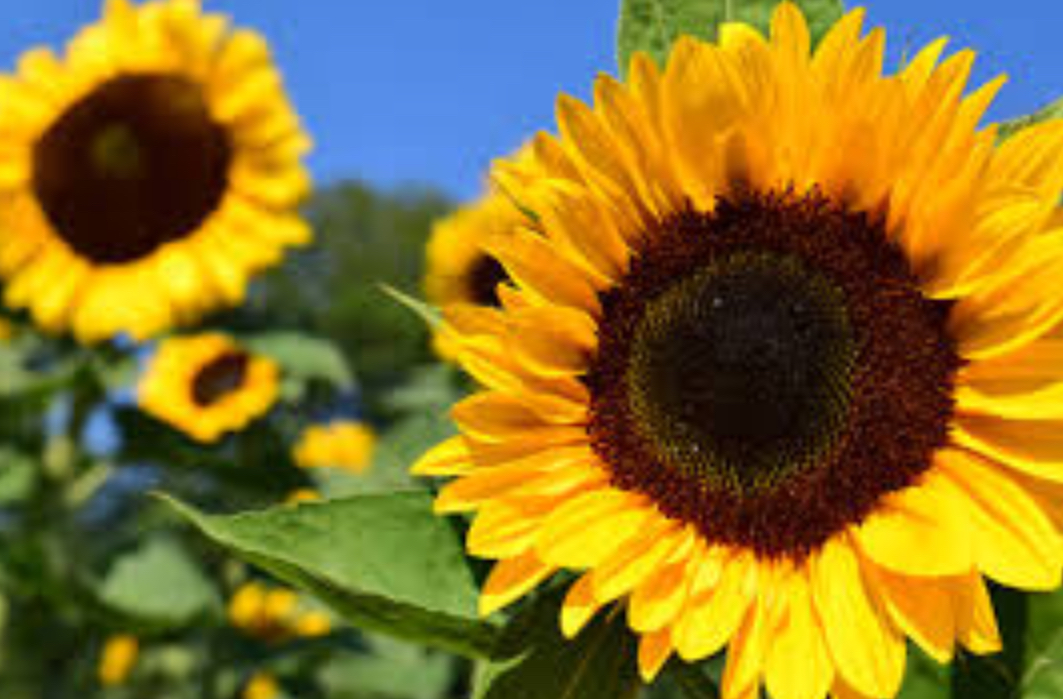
x=711 y=619
x=920 y=530
x=448 y=458
x=510 y=580
x=976 y=622
x=867 y=651
x=1034 y=447
x=587 y=529
x=654 y=650
x=1014 y=541
x=579 y=607
x=798 y=665
x=631 y=563
x=924 y=608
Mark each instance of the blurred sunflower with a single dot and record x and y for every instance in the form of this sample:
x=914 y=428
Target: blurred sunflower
x=207 y=385
x=340 y=444
x=261 y=685
x=458 y=268
x=146 y=175
x=782 y=364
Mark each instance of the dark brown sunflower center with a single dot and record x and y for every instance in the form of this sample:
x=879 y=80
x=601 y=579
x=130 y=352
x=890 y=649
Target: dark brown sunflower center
x=740 y=373
x=220 y=377
x=484 y=276
x=135 y=164
x=769 y=371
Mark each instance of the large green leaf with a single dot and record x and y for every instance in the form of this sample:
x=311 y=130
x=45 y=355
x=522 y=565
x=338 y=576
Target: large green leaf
x=652 y=26
x=159 y=584
x=384 y=561
x=541 y=664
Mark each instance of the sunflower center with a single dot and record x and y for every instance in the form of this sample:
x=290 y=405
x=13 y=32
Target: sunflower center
x=484 y=276
x=136 y=163
x=769 y=371
x=220 y=377
x=739 y=373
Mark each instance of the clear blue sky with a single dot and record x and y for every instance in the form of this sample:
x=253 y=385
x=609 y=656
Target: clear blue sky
x=429 y=91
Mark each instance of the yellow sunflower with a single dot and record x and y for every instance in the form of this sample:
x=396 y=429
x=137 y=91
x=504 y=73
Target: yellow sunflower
x=147 y=174
x=207 y=385
x=783 y=369
x=459 y=268
x=340 y=444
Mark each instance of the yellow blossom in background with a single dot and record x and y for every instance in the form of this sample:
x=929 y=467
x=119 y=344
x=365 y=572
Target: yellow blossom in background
x=458 y=268
x=302 y=495
x=118 y=659
x=7 y=329
x=148 y=172
x=778 y=372
x=274 y=615
x=313 y=624
x=262 y=685
x=207 y=385
x=341 y=444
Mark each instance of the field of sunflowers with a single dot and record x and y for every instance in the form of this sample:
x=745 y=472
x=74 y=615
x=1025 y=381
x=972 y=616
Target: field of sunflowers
x=743 y=379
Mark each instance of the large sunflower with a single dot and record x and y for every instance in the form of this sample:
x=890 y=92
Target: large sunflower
x=783 y=365
x=207 y=385
x=146 y=175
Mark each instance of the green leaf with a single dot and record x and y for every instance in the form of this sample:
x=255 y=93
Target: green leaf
x=1043 y=678
x=383 y=561
x=1052 y=111
x=303 y=357
x=652 y=26
x=18 y=473
x=158 y=584
x=600 y=663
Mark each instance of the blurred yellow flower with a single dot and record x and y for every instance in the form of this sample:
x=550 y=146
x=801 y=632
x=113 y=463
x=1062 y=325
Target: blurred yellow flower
x=313 y=623
x=148 y=173
x=302 y=495
x=117 y=660
x=342 y=444
x=274 y=615
x=207 y=385
x=262 y=685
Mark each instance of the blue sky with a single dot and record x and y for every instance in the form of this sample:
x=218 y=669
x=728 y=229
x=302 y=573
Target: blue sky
x=428 y=92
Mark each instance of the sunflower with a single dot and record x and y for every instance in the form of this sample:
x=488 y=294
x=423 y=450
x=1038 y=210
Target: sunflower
x=146 y=175
x=207 y=385
x=340 y=444
x=782 y=367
